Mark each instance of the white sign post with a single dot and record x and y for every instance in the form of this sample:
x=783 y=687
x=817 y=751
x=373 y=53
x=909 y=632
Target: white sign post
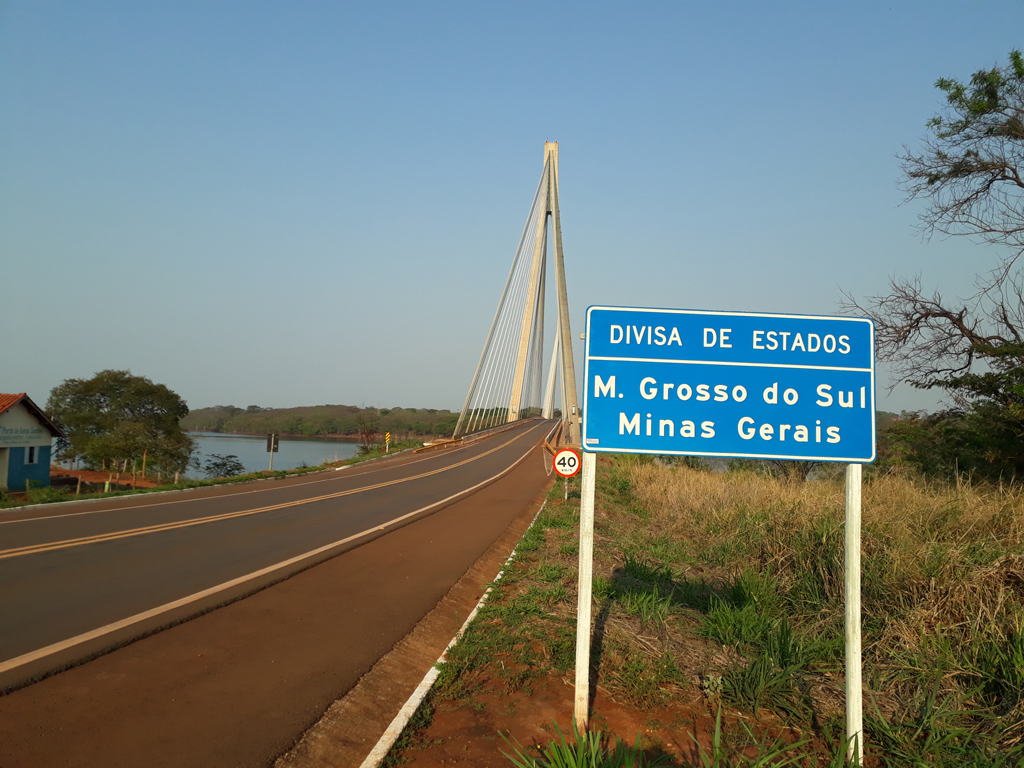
x=854 y=692
x=585 y=587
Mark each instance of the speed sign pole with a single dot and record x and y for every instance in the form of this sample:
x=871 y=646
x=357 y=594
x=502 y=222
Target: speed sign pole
x=566 y=463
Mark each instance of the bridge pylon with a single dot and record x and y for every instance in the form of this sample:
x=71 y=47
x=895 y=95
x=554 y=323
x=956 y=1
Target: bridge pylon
x=506 y=386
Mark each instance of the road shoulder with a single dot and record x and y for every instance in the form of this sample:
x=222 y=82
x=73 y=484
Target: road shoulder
x=351 y=726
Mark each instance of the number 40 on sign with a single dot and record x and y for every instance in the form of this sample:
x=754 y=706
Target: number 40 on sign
x=567 y=462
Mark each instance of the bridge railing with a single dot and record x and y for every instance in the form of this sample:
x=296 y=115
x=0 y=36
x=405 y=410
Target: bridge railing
x=457 y=441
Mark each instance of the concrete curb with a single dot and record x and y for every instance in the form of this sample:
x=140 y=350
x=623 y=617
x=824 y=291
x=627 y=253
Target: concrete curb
x=394 y=730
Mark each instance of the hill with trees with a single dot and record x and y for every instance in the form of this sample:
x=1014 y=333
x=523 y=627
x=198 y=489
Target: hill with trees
x=320 y=420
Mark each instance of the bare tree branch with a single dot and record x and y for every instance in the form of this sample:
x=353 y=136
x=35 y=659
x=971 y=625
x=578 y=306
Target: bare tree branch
x=926 y=338
x=970 y=173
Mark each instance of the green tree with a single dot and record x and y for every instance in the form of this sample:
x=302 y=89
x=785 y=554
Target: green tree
x=115 y=416
x=970 y=174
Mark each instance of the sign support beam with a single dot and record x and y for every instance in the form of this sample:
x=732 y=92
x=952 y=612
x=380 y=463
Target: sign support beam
x=854 y=689
x=585 y=589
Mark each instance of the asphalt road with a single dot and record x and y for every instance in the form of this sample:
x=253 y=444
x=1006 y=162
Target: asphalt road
x=67 y=574
x=239 y=685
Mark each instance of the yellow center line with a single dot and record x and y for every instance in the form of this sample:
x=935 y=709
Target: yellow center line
x=36 y=548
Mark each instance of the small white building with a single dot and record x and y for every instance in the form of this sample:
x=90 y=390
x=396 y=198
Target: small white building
x=26 y=436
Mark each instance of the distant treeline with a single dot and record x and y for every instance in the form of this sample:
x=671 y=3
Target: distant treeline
x=319 y=420
x=344 y=420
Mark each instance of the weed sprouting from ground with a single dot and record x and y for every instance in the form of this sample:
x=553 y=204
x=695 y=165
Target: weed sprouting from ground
x=644 y=682
x=46 y=495
x=551 y=572
x=768 y=752
x=643 y=570
x=585 y=750
x=729 y=625
x=650 y=607
x=764 y=682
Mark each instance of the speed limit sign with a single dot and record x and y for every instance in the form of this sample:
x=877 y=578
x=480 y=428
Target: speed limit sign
x=567 y=462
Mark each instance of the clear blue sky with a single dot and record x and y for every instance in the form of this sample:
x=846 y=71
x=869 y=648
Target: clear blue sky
x=301 y=203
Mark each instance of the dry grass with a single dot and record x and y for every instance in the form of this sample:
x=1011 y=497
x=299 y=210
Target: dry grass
x=942 y=572
x=949 y=555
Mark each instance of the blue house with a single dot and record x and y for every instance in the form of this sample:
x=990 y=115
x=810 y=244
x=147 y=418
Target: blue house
x=25 y=439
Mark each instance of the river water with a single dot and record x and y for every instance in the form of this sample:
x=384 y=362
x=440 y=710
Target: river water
x=292 y=452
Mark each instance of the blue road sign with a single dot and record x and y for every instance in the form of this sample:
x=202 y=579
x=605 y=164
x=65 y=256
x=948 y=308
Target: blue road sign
x=734 y=384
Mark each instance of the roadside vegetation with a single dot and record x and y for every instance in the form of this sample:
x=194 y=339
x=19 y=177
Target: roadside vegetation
x=214 y=469
x=134 y=430
x=719 y=596
x=968 y=172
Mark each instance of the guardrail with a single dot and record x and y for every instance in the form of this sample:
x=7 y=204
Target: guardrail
x=554 y=437
x=440 y=445
x=455 y=442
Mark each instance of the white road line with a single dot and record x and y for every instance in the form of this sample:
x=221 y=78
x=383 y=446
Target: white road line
x=189 y=501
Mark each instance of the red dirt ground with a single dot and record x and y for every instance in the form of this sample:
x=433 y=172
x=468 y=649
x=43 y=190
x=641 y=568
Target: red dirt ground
x=462 y=734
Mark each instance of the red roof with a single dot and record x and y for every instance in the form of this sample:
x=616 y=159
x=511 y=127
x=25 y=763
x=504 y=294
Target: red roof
x=9 y=401
x=6 y=401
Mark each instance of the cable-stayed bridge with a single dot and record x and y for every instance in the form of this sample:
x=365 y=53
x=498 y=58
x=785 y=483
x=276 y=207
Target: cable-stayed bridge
x=509 y=382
